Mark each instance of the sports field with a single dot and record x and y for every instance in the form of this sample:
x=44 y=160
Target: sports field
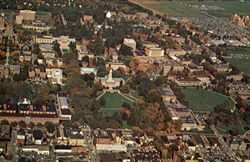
x=232 y=7
x=177 y=9
x=114 y=103
x=204 y=100
x=242 y=64
x=170 y=8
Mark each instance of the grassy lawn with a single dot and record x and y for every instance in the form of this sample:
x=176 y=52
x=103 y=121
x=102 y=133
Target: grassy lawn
x=203 y=100
x=231 y=7
x=238 y=50
x=170 y=8
x=42 y=13
x=115 y=100
x=224 y=128
x=242 y=64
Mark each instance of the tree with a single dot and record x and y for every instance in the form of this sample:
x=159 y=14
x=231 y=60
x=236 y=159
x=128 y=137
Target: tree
x=50 y=126
x=102 y=101
x=153 y=96
x=161 y=80
x=22 y=124
x=56 y=48
x=72 y=46
x=125 y=50
x=36 y=49
x=125 y=105
x=13 y=124
x=6 y=122
x=20 y=77
x=125 y=88
x=101 y=71
x=97 y=47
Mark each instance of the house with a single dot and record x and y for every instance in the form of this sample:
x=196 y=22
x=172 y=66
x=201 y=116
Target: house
x=222 y=68
x=37 y=73
x=130 y=43
x=82 y=51
x=116 y=65
x=188 y=82
x=38 y=26
x=44 y=39
x=55 y=76
x=64 y=42
x=86 y=18
x=173 y=52
x=154 y=52
x=150 y=45
x=75 y=136
x=47 y=51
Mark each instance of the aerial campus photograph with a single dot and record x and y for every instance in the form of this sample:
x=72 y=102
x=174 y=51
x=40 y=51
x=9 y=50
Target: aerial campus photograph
x=124 y=80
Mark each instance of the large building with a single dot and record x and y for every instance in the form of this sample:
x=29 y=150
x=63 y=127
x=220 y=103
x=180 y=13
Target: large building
x=28 y=112
x=28 y=15
x=130 y=43
x=154 y=52
x=110 y=82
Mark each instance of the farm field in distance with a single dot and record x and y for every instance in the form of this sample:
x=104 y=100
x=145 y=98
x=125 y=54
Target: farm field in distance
x=208 y=99
x=170 y=8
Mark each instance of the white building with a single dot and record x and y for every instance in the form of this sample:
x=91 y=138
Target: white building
x=64 y=42
x=63 y=103
x=154 y=52
x=55 y=76
x=130 y=43
x=109 y=81
x=28 y=15
x=88 y=70
x=111 y=147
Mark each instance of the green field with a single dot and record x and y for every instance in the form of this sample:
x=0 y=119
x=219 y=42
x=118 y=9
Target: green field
x=170 y=8
x=114 y=103
x=242 y=64
x=225 y=129
x=203 y=100
x=232 y=7
x=238 y=50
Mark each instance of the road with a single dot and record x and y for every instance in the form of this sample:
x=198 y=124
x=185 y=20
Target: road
x=224 y=144
x=14 y=146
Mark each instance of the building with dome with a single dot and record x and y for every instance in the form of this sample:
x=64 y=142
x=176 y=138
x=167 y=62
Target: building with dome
x=110 y=82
